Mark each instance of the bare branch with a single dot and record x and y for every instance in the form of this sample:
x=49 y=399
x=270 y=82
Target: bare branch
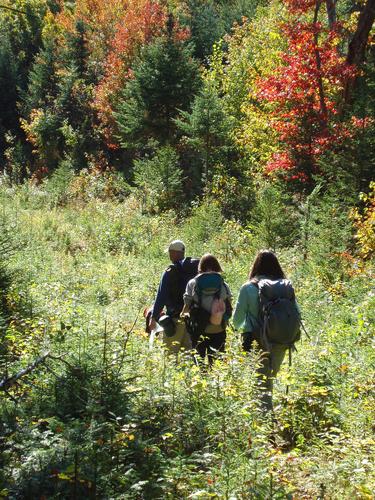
x=9 y=381
x=12 y=9
x=60 y=358
x=126 y=339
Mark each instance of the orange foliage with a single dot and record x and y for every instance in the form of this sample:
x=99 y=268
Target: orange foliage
x=137 y=27
x=101 y=17
x=117 y=29
x=143 y=21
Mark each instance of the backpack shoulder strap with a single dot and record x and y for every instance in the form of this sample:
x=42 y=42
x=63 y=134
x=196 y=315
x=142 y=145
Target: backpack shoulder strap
x=173 y=271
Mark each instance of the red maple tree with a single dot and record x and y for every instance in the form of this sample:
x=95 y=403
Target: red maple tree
x=305 y=91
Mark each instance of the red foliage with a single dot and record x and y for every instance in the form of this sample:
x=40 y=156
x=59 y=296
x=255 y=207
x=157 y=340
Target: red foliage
x=299 y=6
x=304 y=92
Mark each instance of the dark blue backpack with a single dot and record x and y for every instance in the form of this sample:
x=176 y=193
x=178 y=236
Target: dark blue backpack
x=178 y=277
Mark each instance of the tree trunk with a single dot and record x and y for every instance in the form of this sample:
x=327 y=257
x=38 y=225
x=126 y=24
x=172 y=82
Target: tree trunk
x=357 y=46
x=331 y=12
x=323 y=107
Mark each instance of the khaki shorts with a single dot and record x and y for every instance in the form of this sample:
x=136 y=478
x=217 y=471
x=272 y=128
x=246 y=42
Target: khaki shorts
x=180 y=340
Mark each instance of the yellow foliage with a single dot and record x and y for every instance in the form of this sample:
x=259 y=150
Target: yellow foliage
x=364 y=224
x=51 y=29
x=254 y=50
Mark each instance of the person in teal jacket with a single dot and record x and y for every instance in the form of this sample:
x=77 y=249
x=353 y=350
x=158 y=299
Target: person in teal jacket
x=246 y=318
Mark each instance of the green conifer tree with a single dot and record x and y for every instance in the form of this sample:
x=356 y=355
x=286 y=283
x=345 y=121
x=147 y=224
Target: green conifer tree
x=206 y=130
x=8 y=93
x=74 y=99
x=21 y=24
x=42 y=88
x=60 y=87
x=165 y=81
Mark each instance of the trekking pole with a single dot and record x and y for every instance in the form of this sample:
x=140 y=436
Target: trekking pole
x=304 y=329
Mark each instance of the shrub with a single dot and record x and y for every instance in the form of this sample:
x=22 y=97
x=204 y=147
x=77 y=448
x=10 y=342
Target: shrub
x=364 y=224
x=96 y=183
x=326 y=235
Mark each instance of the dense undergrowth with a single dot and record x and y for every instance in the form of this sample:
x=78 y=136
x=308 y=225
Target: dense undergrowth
x=105 y=416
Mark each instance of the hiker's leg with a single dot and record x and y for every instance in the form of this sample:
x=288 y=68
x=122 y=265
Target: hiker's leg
x=173 y=344
x=216 y=343
x=247 y=341
x=185 y=342
x=268 y=370
x=202 y=349
x=278 y=355
x=202 y=346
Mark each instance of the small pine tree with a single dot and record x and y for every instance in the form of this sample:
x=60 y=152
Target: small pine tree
x=274 y=222
x=165 y=80
x=206 y=129
x=160 y=179
x=77 y=51
x=206 y=26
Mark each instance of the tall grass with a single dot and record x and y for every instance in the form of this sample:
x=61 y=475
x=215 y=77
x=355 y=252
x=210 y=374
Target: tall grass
x=108 y=417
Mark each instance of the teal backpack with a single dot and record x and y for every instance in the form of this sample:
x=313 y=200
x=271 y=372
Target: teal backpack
x=208 y=285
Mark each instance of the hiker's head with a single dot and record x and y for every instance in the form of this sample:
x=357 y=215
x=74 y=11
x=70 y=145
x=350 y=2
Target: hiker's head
x=176 y=250
x=266 y=264
x=209 y=263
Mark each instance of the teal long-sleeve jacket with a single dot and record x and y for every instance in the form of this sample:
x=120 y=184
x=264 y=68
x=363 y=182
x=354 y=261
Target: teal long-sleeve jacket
x=246 y=313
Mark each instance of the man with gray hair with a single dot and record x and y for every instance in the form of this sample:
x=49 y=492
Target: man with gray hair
x=170 y=296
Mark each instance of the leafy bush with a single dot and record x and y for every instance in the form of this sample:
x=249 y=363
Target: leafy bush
x=235 y=196
x=326 y=235
x=96 y=183
x=364 y=224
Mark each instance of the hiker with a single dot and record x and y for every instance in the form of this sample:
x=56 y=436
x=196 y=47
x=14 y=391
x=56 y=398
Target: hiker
x=170 y=296
x=267 y=313
x=207 y=307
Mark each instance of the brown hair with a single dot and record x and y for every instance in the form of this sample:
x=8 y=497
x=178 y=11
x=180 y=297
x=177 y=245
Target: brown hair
x=266 y=264
x=209 y=263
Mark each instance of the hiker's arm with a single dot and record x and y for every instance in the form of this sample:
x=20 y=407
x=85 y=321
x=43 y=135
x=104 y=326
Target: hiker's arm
x=161 y=298
x=188 y=297
x=240 y=310
x=246 y=313
x=185 y=310
x=298 y=309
